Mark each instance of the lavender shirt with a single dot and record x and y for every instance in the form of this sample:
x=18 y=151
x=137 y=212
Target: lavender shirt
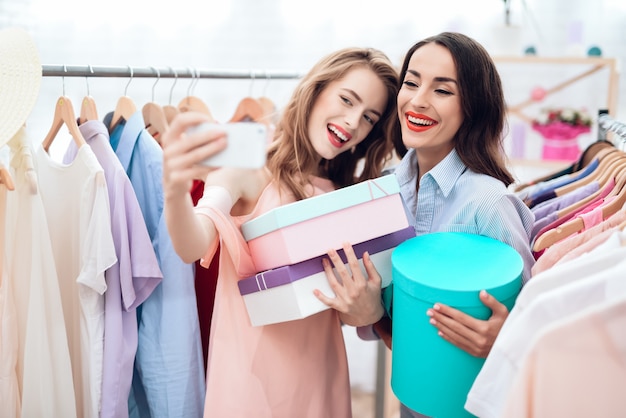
x=129 y=281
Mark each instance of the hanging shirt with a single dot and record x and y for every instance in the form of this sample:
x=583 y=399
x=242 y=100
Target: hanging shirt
x=576 y=244
x=129 y=281
x=543 y=191
x=594 y=236
x=76 y=202
x=169 y=376
x=569 y=289
x=550 y=206
x=44 y=370
x=206 y=282
x=575 y=367
x=589 y=207
x=9 y=344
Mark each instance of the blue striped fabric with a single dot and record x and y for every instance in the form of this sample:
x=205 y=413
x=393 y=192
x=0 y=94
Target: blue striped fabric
x=453 y=198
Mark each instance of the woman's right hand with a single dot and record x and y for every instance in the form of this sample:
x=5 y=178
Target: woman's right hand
x=357 y=293
x=192 y=235
x=183 y=152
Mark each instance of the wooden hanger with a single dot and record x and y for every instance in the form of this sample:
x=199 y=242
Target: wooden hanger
x=588 y=200
x=170 y=113
x=610 y=172
x=153 y=115
x=586 y=157
x=606 y=157
x=155 y=120
x=6 y=178
x=270 y=112
x=124 y=109
x=193 y=103
x=169 y=110
x=248 y=109
x=591 y=152
x=558 y=233
x=267 y=104
x=64 y=113
x=567 y=170
x=552 y=236
x=617 y=197
x=615 y=201
x=88 y=110
x=125 y=106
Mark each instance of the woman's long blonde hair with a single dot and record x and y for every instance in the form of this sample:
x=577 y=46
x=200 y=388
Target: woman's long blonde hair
x=292 y=158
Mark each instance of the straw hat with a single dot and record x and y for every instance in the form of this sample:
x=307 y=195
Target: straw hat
x=20 y=79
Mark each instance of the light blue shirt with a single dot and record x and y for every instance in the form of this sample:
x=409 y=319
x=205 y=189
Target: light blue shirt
x=169 y=370
x=452 y=198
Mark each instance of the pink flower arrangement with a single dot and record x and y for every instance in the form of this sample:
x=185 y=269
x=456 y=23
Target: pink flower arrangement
x=560 y=130
x=560 y=127
x=562 y=123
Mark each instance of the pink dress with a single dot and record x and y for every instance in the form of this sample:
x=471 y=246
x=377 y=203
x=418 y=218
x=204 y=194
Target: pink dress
x=291 y=369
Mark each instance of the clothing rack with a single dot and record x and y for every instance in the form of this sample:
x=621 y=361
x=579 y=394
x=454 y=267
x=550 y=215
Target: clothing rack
x=606 y=124
x=62 y=70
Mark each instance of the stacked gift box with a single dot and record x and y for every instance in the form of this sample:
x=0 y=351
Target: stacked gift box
x=288 y=243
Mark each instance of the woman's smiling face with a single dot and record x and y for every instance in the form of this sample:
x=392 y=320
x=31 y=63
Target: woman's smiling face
x=346 y=111
x=429 y=104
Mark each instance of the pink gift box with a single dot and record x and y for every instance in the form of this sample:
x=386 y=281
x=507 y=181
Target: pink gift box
x=286 y=293
x=309 y=228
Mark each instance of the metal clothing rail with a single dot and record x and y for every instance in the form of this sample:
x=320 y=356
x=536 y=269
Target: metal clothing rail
x=62 y=70
x=606 y=124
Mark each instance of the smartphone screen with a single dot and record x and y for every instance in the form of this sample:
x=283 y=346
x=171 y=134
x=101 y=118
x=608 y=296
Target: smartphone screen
x=247 y=145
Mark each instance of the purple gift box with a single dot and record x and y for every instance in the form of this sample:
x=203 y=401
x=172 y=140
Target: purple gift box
x=286 y=293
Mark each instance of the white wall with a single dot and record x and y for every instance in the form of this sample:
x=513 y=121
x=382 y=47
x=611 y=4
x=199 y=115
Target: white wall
x=284 y=35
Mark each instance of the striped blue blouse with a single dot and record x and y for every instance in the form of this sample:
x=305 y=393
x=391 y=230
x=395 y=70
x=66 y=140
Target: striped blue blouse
x=452 y=198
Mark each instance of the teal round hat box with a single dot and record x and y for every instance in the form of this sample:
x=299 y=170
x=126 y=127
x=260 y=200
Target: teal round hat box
x=428 y=374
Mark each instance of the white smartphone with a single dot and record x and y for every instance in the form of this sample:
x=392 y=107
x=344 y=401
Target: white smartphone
x=247 y=144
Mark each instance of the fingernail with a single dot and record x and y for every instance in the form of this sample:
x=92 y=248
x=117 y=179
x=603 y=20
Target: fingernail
x=429 y=312
x=432 y=321
x=437 y=307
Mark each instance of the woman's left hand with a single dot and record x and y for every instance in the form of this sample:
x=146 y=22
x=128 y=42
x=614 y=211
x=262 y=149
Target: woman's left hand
x=357 y=296
x=473 y=335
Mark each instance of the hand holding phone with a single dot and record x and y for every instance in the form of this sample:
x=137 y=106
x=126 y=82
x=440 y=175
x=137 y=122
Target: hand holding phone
x=247 y=144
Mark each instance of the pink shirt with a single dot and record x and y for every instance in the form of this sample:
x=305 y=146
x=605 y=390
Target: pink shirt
x=577 y=244
x=576 y=368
